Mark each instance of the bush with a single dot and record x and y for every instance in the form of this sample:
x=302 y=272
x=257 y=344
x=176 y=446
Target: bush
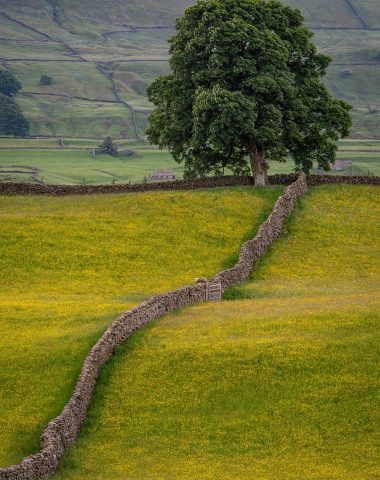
x=46 y=80
x=108 y=147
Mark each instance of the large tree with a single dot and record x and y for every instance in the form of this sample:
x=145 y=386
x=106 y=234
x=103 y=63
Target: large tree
x=245 y=80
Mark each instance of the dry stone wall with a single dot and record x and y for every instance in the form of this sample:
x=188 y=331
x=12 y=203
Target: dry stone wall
x=63 y=431
x=9 y=188
x=268 y=232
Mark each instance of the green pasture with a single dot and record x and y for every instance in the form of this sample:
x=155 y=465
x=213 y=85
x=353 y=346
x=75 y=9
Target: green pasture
x=73 y=117
x=369 y=11
x=131 y=57
x=75 y=79
x=55 y=143
x=66 y=166
x=325 y=12
x=69 y=266
x=359 y=87
x=75 y=164
x=11 y=29
x=369 y=163
x=49 y=51
x=349 y=46
x=281 y=382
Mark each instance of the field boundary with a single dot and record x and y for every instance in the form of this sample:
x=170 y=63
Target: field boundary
x=11 y=188
x=63 y=431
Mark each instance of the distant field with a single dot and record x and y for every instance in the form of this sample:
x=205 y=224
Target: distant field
x=43 y=160
x=79 y=166
x=69 y=266
x=282 y=383
x=82 y=39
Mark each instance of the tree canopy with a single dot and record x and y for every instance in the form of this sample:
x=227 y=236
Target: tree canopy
x=108 y=147
x=12 y=121
x=245 y=80
x=9 y=85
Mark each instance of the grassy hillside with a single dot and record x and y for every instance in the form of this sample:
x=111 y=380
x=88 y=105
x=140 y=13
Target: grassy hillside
x=280 y=384
x=83 y=44
x=69 y=266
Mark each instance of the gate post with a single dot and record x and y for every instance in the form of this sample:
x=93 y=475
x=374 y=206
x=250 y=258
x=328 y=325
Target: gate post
x=203 y=281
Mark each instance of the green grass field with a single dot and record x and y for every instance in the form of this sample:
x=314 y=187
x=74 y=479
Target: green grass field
x=78 y=166
x=69 y=266
x=43 y=160
x=281 y=382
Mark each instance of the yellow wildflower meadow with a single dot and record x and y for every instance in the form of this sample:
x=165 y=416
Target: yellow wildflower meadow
x=280 y=385
x=69 y=266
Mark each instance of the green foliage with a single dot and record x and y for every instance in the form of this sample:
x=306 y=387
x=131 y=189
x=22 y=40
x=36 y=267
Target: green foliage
x=108 y=147
x=12 y=121
x=245 y=79
x=46 y=80
x=9 y=85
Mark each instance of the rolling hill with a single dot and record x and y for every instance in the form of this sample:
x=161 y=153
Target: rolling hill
x=102 y=56
x=280 y=382
x=69 y=266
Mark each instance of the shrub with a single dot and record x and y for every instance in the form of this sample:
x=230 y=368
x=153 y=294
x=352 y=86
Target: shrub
x=46 y=80
x=108 y=147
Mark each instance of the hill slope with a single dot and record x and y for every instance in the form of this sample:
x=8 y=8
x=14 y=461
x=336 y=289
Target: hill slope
x=71 y=265
x=110 y=51
x=282 y=384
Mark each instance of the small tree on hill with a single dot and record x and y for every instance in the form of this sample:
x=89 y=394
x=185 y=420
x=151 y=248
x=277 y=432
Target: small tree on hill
x=108 y=147
x=12 y=121
x=245 y=80
x=45 y=80
x=9 y=85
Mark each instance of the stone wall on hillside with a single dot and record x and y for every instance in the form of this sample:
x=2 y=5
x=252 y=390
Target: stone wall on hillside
x=268 y=232
x=9 y=188
x=63 y=431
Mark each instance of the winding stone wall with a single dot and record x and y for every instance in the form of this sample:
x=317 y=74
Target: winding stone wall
x=9 y=188
x=268 y=232
x=63 y=431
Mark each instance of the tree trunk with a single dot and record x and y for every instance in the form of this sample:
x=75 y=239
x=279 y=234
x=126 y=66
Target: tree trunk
x=258 y=165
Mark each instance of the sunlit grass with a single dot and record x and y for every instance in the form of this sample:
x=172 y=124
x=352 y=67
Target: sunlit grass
x=240 y=390
x=281 y=385
x=70 y=265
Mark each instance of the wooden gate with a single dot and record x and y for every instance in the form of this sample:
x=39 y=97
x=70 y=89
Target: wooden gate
x=214 y=292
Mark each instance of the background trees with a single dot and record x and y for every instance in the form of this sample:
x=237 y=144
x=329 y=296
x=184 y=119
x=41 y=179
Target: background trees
x=245 y=80
x=9 y=85
x=12 y=121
